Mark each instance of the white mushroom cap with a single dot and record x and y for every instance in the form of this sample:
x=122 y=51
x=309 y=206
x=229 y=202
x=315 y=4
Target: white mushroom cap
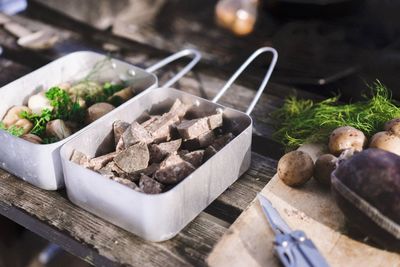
x=37 y=103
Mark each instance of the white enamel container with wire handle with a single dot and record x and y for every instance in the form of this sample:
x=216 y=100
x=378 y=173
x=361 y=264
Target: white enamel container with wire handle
x=40 y=164
x=160 y=217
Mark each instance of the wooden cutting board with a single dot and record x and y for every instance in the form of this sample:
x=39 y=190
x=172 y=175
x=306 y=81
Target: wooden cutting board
x=310 y=208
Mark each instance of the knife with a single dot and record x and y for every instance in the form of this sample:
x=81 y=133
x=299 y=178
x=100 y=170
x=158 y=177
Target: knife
x=293 y=248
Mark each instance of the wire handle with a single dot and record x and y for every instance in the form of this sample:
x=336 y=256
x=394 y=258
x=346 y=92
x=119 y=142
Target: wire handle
x=243 y=67
x=184 y=53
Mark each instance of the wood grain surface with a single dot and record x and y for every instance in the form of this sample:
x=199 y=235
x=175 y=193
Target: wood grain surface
x=312 y=209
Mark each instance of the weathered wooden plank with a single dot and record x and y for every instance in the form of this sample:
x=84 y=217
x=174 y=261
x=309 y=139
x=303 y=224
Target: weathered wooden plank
x=55 y=218
x=81 y=233
x=238 y=196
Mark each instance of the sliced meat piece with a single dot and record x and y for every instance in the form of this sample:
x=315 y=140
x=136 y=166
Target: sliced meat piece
x=209 y=152
x=133 y=158
x=183 y=152
x=193 y=128
x=127 y=183
x=201 y=141
x=134 y=134
x=99 y=162
x=173 y=169
x=221 y=141
x=80 y=158
x=161 y=127
x=179 y=108
x=150 y=121
x=119 y=128
x=159 y=151
x=149 y=171
x=195 y=158
x=215 y=121
x=112 y=169
x=149 y=185
x=217 y=145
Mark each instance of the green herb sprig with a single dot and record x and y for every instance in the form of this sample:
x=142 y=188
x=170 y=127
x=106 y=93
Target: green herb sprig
x=108 y=90
x=14 y=130
x=64 y=108
x=305 y=121
x=39 y=121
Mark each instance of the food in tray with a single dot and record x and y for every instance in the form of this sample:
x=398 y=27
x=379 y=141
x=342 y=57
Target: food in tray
x=156 y=154
x=57 y=112
x=363 y=174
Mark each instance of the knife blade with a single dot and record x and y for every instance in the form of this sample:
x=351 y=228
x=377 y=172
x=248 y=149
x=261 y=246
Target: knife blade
x=293 y=248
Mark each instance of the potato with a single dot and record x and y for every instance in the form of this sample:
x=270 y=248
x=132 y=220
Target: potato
x=13 y=115
x=25 y=124
x=32 y=138
x=58 y=128
x=346 y=137
x=121 y=96
x=295 y=168
x=387 y=141
x=98 y=110
x=324 y=166
x=393 y=126
x=37 y=103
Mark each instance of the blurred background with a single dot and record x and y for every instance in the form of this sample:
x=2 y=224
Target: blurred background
x=325 y=46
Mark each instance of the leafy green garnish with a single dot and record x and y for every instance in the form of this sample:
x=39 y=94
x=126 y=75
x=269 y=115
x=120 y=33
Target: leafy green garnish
x=14 y=130
x=39 y=121
x=108 y=90
x=305 y=121
x=64 y=107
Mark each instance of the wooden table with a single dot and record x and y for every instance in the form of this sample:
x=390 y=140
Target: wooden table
x=53 y=217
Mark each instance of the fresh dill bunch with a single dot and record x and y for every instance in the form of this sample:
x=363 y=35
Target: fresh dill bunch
x=305 y=121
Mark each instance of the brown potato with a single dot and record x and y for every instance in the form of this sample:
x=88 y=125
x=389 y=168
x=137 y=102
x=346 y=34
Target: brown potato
x=324 y=166
x=25 y=124
x=387 y=141
x=97 y=111
x=346 y=137
x=13 y=115
x=32 y=138
x=295 y=168
x=393 y=126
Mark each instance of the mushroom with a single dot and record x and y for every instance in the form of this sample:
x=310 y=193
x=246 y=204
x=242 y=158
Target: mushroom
x=58 y=129
x=346 y=137
x=13 y=115
x=386 y=141
x=37 y=103
x=98 y=110
x=32 y=138
x=324 y=166
x=24 y=124
x=393 y=126
x=121 y=96
x=295 y=168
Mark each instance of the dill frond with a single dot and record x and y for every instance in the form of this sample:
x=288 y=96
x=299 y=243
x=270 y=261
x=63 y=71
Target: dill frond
x=303 y=121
